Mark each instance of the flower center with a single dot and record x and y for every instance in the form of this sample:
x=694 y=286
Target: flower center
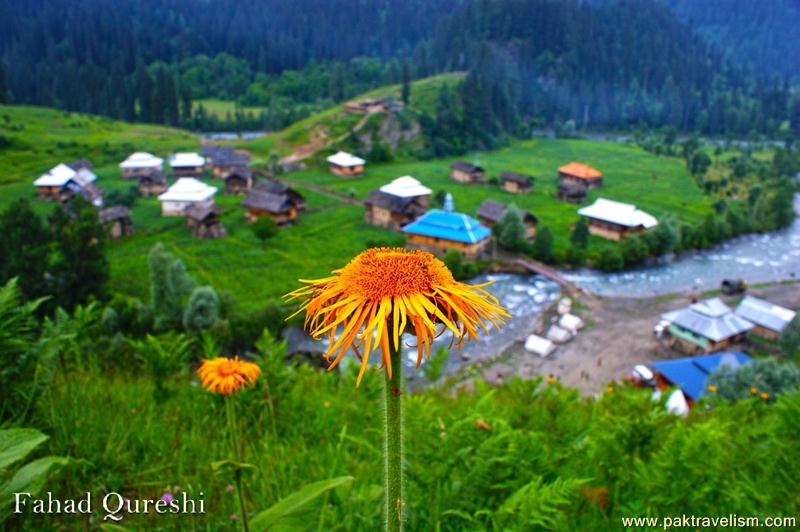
x=385 y=272
x=227 y=368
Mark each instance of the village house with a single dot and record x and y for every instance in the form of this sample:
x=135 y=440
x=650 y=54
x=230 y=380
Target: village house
x=61 y=183
x=440 y=230
x=224 y=159
x=491 y=211
x=613 y=219
x=152 y=184
x=704 y=327
x=140 y=163
x=203 y=220
x=690 y=374
x=580 y=174
x=571 y=192
x=187 y=164
x=368 y=105
x=186 y=192
x=768 y=319
x=396 y=204
x=238 y=181
x=345 y=164
x=260 y=203
x=117 y=220
x=465 y=172
x=516 y=183
x=276 y=187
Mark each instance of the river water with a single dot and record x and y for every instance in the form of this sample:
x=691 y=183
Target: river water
x=755 y=258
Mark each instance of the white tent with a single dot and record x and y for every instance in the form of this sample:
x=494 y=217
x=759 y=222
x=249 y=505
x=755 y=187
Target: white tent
x=541 y=346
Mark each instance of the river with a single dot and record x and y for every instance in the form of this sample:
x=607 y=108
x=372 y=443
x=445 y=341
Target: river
x=755 y=258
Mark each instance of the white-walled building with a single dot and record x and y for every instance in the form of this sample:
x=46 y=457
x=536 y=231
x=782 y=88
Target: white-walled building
x=186 y=192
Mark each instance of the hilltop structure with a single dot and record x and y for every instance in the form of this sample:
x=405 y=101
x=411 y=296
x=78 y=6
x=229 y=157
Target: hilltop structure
x=516 y=183
x=397 y=204
x=63 y=182
x=465 y=172
x=580 y=174
x=186 y=192
x=187 y=164
x=440 y=230
x=141 y=163
x=273 y=199
x=223 y=160
x=238 y=181
x=152 y=184
x=614 y=219
x=204 y=221
x=346 y=164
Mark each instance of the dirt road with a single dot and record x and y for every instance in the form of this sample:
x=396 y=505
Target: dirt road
x=618 y=335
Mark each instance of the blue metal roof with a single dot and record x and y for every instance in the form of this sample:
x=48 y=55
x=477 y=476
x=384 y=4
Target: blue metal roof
x=690 y=373
x=453 y=226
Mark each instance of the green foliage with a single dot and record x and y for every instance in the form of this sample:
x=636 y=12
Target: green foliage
x=295 y=511
x=580 y=233
x=510 y=229
x=162 y=357
x=80 y=266
x=789 y=340
x=634 y=250
x=699 y=164
x=15 y=445
x=433 y=366
x=202 y=310
x=24 y=249
x=542 y=248
x=264 y=228
x=610 y=260
x=762 y=375
x=169 y=285
x=460 y=268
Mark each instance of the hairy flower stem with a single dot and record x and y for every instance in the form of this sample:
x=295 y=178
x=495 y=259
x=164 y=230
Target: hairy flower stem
x=393 y=443
x=237 y=456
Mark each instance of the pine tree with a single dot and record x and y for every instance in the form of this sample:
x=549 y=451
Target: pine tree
x=406 y=79
x=24 y=249
x=3 y=88
x=580 y=234
x=510 y=229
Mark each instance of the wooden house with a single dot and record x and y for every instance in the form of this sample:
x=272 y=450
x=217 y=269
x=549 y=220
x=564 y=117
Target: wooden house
x=346 y=164
x=769 y=320
x=186 y=192
x=574 y=193
x=613 y=219
x=152 y=184
x=273 y=186
x=187 y=164
x=704 y=327
x=516 y=183
x=238 y=181
x=465 y=172
x=117 y=220
x=580 y=174
x=440 y=230
x=279 y=207
x=491 y=211
x=61 y=183
x=140 y=163
x=399 y=203
x=366 y=105
x=203 y=220
x=225 y=159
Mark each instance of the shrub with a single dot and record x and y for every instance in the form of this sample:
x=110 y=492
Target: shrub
x=264 y=228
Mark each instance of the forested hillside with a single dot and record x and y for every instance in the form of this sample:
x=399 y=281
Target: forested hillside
x=615 y=64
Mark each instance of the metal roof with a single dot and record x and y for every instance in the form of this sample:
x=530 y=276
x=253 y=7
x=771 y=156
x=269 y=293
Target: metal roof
x=464 y=166
x=58 y=176
x=142 y=159
x=406 y=187
x=710 y=319
x=764 y=313
x=266 y=201
x=186 y=160
x=691 y=373
x=188 y=189
x=453 y=226
x=342 y=158
x=619 y=213
x=522 y=179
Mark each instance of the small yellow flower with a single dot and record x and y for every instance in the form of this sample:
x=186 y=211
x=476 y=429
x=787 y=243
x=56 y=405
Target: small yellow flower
x=765 y=396
x=610 y=389
x=384 y=292
x=712 y=388
x=753 y=390
x=226 y=375
x=551 y=379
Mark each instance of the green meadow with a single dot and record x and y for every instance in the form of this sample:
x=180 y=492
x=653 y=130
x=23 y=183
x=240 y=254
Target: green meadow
x=332 y=230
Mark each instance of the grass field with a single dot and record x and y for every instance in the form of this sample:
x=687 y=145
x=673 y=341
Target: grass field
x=331 y=231
x=223 y=108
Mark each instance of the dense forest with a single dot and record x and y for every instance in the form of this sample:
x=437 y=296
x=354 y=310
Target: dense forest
x=615 y=64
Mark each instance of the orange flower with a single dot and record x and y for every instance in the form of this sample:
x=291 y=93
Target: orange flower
x=551 y=379
x=712 y=388
x=765 y=396
x=753 y=390
x=226 y=375
x=384 y=292
x=610 y=389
